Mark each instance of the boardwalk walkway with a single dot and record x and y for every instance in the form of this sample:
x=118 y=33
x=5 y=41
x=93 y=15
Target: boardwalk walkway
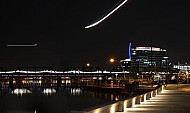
x=174 y=99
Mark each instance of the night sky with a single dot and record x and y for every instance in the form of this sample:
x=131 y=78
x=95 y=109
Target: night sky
x=58 y=28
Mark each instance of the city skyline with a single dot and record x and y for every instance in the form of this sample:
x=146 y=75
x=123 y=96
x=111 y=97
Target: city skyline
x=58 y=29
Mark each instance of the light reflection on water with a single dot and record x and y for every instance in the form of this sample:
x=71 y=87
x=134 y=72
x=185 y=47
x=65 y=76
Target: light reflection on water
x=21 y=91
x=18 y=91
x=76 y=91
x=49 y=91
x=51 y=100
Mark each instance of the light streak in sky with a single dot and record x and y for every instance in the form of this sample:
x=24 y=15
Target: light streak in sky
x=22 y=45
x=106 y=16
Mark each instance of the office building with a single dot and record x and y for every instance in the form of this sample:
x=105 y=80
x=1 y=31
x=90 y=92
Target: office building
x=149 y=59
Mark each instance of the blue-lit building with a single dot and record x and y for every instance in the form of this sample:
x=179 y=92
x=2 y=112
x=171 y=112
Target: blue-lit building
x=143 y=59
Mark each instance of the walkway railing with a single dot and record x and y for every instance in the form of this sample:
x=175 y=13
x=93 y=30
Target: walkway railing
x=121 y=105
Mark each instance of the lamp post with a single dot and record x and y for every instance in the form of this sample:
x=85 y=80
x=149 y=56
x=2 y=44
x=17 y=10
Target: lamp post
x=113 y=60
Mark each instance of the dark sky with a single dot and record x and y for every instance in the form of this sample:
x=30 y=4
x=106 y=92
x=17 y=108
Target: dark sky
x=58 y=28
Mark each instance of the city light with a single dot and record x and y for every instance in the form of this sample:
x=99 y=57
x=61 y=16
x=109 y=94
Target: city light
x=49 y=91
x=18 y=91
x=112 y=109
x=88 y=64
x=112 y=60
x=149 y=49
x=76 y=91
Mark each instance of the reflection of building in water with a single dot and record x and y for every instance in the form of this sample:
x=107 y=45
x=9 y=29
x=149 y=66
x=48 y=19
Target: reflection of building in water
x=49 y=91
x=20 y=91
x=76 y=91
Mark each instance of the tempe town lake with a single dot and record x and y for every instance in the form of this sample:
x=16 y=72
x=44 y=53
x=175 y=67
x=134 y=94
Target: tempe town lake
x=52 y=91
x=62 y=92
x=52 y=100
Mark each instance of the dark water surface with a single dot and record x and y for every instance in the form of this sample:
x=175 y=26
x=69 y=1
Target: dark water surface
x=50 y=100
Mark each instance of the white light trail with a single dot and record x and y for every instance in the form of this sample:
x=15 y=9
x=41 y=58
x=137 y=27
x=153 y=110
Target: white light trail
x=22 y=45
x=106 y=16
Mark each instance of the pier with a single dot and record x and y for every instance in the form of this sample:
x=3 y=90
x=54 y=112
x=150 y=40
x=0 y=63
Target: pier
x=173 y=98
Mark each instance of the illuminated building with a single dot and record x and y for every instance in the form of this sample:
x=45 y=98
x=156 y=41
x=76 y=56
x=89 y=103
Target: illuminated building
x=149 y=59
x=182 y=67
x=143 y=59
x=126 y=63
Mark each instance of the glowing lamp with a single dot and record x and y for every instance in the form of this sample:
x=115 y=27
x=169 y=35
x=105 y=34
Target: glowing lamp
x=112 y=60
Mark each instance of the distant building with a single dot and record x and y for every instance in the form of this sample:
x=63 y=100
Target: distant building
x=126 y=64
x=182 y=67
x=147 y=59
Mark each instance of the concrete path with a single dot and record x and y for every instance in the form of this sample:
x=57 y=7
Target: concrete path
x=174 y=99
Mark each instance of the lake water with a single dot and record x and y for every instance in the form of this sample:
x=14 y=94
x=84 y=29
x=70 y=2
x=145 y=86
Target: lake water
x=50 y=100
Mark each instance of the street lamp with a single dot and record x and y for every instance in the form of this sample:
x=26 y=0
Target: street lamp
x=88 y=64
x=91 y=66
x=112 y=60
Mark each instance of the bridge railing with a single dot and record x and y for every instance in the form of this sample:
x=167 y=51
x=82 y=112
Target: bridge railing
x=121 y=105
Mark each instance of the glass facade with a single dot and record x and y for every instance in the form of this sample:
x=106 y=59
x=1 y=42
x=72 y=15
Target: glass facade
x=148 y=59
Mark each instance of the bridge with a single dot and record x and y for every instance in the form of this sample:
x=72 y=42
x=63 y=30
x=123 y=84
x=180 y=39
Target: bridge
x=43 y=76
x=46 y=76
x=172 y=99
